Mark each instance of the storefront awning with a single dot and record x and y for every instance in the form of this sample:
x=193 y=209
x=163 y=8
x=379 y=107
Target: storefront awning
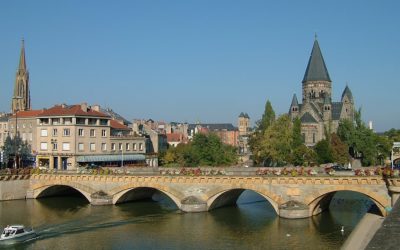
x=110 y=158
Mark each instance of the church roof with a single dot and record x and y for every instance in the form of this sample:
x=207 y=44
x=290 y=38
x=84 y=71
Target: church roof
x=316 y=68
x=308 y=118
x=294 y=101
x=336 y=110
x=347 y=92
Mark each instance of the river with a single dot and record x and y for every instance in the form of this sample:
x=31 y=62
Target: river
x=72 y=223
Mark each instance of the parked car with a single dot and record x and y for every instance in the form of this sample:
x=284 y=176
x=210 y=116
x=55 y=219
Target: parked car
x=338 y=167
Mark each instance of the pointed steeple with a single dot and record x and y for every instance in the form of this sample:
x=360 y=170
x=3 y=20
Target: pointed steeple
x=294 y=101
x=21 y=99
x=316 y=68
x=22 y=62
x=347 y=92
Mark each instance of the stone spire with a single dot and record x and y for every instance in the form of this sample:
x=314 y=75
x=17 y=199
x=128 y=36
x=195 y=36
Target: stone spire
x=21 y=99
x=295 y=102
x=316 y=68
x=347 y=92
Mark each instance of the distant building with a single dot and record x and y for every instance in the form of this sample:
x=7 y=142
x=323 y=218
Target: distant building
x=154 y=131
x=228 y=133
x=317 y=111
x=244 y=133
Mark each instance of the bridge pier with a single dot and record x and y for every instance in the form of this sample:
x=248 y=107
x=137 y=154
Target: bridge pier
x=294 y=210
x=100 y=198
x=193 y=204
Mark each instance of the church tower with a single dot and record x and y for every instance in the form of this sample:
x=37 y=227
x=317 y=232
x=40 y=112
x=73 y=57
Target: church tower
x=316 y=81
x=21 y=99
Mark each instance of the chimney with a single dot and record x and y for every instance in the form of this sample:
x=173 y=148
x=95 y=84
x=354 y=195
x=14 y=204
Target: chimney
x=96 y=107
x=84 y=106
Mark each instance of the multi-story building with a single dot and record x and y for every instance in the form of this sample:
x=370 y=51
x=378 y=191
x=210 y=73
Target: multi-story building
x=3 y=128
x=78 y=135
x=317 y=112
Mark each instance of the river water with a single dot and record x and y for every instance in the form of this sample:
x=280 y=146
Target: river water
x=72 y=223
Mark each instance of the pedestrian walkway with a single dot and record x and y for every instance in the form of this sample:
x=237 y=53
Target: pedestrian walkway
x=388 y=235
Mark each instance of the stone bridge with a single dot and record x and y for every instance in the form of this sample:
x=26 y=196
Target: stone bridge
x=291 y=197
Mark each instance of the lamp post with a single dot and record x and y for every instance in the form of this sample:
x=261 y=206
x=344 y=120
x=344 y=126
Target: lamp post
x=16 y=131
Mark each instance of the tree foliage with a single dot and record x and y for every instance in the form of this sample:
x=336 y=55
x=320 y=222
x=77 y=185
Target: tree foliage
x=204 y=150
x=255 y=140
x=363 y=142
x=15 y=146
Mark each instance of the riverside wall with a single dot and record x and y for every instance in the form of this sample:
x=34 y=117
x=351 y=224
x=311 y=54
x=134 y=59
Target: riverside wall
x=13 y=190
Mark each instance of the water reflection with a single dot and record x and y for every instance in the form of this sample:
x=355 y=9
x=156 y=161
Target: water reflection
x=72 y=223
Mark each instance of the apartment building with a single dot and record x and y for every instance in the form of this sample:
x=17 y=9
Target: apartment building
x=69 y=136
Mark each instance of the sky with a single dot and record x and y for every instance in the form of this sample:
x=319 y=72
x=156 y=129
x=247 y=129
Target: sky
x=201 y=61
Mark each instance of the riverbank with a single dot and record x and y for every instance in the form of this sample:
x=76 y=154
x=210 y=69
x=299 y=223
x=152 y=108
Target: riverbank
x=363 y=232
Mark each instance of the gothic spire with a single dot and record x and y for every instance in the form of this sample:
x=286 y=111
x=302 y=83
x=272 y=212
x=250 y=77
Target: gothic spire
x=316 y=68
x=22 y=62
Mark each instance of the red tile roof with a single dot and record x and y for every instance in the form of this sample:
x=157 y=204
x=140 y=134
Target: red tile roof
x=28 y=113
x=74 y=110
x=174 y=137
x=116 y=125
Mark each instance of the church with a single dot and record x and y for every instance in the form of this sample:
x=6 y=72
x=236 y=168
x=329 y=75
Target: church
x=317 y=111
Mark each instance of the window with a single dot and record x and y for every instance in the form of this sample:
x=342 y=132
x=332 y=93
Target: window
x=92 y=133
x=43 y=146
x=23 y=136
x=23 y=125
x=134 y=147
x=103 y=146
x=67 y=132
x=120 y=147
x=92 y=146
x=80 y=147
x=54 y=145
x=127 y=147
x=65 y=146
x=56 y=121
x=68 y=121
x=313 y=137
x=43 y=132
x=55 y=132
x=140 y=146
x=30 y=136
x=103 y=133
x=81 y=132
x=113 y=146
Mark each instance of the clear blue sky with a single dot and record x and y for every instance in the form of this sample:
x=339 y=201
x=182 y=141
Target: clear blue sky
x=201 y=60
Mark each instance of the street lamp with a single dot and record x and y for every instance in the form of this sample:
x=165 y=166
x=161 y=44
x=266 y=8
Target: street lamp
x=16 y=131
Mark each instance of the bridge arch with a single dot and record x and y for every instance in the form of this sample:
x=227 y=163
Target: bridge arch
x=228 y=196
x=119 y=192
x=320 y=199
x=41 y=188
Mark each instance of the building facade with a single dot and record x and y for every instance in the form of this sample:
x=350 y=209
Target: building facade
x=71 y=136
x=317 y=112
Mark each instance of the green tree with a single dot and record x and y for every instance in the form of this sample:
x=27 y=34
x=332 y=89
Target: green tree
x=363 y=142
x=204 y=150
x=16 y=147
x=276 y=142
x=324 y=152
x=303 y=156
x=297 y=137
x=340 y=150
x=262 y=125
